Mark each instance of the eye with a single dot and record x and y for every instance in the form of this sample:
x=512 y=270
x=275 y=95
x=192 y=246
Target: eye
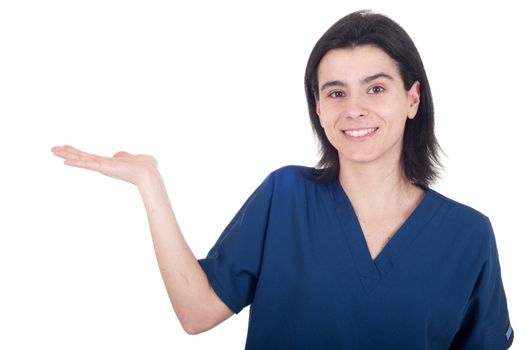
x=336 y=94
x=376 y=89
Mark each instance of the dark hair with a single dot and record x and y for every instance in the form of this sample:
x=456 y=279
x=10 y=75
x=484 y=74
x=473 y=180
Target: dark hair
x=420 y=159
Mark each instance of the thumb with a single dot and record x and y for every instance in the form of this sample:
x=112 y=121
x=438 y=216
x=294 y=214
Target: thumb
x=121 y=154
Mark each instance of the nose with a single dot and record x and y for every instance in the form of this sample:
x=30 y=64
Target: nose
x=355 y=107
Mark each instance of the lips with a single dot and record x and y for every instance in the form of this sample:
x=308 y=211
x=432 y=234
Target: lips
x=359 y=133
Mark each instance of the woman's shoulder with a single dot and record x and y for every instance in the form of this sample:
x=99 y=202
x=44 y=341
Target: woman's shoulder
x=460 y=207
x=293 y=172
x=290 y=175
x=458 y=214
x=289 y=179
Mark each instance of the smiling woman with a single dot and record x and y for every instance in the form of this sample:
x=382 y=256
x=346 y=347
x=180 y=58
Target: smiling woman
x=362 y=98
x=356 y=253
x=388 y=47
x=360 y=253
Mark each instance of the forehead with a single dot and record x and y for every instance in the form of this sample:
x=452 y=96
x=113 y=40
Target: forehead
x=356 y=63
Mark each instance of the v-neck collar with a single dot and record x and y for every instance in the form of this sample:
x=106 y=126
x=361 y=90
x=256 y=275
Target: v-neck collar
x=371 y=271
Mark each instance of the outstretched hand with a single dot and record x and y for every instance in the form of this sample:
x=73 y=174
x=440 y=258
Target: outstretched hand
x=123 y=165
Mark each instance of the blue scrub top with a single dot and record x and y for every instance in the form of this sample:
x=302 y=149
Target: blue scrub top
x=296 y=253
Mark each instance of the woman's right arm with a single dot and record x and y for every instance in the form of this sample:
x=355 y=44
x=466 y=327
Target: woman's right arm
x=195 y=303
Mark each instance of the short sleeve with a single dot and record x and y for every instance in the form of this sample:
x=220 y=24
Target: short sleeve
x=486 y=324
x=232 y=265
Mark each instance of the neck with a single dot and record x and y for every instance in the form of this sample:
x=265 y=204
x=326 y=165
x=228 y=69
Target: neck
x=376 y=190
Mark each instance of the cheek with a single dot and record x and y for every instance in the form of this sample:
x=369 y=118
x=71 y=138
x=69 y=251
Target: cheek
x=327 y=115
x=327 y=121
x=394 y=114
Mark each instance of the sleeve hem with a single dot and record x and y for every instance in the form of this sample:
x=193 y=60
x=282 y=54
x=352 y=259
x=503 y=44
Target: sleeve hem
x=227 y=299
x=511 y=339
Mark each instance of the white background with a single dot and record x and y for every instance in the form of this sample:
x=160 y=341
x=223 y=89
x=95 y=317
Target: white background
x=214 y=91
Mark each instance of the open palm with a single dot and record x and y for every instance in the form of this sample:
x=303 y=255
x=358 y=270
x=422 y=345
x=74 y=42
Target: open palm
x=123 y=165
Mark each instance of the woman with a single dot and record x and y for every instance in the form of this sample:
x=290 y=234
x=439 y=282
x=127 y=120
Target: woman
x=358 y=253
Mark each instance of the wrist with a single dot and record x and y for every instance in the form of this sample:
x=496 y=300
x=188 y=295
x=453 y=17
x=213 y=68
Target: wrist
x=149 y=179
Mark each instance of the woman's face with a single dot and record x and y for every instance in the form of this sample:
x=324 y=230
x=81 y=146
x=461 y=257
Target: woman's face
x=363 y=105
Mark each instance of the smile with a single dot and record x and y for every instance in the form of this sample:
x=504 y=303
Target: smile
x=360 y=133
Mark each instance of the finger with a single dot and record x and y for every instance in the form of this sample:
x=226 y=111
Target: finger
x=78 y=152
x=70 y=153
x=86 y=163
x=62 y=152
x=121 y=154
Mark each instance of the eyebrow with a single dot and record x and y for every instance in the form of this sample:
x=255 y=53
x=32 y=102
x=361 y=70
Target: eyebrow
x=363 y=81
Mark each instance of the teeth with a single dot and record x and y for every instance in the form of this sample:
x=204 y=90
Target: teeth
x=359 y=133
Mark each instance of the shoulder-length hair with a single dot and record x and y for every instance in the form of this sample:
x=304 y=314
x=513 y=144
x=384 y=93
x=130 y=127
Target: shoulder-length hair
x=419 y=157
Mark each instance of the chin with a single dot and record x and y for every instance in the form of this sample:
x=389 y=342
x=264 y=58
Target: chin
x=358 y=159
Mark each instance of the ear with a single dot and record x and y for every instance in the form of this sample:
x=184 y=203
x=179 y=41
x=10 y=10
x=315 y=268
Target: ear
x=414 y=97
x=317 y=102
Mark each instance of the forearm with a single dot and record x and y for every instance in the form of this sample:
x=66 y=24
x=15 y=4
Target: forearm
x=186 y=282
